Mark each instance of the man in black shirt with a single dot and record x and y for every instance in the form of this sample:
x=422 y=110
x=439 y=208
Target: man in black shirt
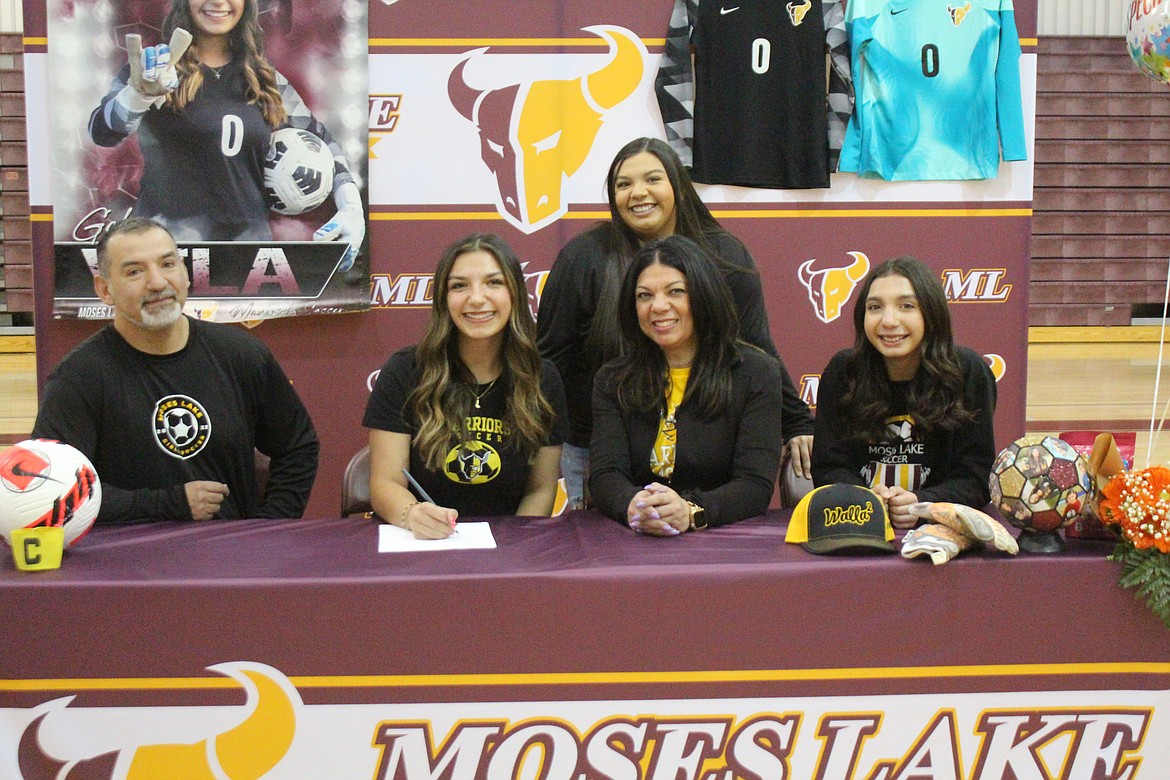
x=170 y=410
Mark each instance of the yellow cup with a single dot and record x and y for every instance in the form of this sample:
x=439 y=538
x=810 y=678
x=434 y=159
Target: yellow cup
x=38 y=549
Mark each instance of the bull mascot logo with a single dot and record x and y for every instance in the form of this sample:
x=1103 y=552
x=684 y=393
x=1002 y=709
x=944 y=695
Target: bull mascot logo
x=829 y=289
x=473 y=463
x=535 y=134
x=796 y=11
x=246 y=751
x=958 y=13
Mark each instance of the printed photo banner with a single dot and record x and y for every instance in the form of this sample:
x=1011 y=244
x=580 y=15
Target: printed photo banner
x=275 y=733
x=235 y=281
x=248 y=261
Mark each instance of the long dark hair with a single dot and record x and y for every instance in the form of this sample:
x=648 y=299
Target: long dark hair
x=693 y=220
x=641 y=373
x=936 y=392
x=442 y=399
x=247 y=40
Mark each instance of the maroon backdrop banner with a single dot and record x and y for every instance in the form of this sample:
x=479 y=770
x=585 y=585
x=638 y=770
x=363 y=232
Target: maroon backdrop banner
x=431 y=182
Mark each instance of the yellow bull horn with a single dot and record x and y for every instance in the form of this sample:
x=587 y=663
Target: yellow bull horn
x=618 y=79
x=247 y=751
x=856 y=271
x=997 y=365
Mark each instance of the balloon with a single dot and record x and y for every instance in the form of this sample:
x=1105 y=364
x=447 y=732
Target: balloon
x=1148 y=37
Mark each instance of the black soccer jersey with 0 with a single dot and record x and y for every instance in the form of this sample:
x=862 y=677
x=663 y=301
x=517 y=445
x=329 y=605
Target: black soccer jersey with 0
x=762 y=116
x=203 y=173
x=204 y=166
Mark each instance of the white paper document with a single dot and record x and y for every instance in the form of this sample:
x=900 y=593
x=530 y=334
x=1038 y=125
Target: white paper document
x=467 y=536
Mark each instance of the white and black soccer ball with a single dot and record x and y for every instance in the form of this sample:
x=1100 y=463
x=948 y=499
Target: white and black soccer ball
x=182 y=425
x=298 y=171
x=47 y=483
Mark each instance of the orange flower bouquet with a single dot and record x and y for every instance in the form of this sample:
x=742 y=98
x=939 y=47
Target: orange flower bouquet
x=1137 y=504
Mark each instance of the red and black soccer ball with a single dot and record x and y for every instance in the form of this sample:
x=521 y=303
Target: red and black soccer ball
x=47 y=483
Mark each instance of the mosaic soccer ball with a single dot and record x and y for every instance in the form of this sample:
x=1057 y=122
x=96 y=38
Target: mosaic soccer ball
x=44 y=482
x=1039 y=483
x=298 y=171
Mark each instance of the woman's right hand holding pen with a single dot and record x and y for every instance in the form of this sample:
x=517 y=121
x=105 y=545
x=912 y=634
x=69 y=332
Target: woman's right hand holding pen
x=429 y=521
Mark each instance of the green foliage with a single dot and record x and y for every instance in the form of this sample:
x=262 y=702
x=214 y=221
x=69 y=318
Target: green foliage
x=1147 y=572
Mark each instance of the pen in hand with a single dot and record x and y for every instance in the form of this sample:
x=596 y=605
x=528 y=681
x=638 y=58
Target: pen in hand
x=421 y=493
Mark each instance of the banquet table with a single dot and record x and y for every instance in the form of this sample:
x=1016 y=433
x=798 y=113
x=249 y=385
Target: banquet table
x=565 y=615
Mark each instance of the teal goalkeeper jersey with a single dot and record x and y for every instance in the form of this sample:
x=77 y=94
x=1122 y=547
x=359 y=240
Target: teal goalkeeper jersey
x=937 y=89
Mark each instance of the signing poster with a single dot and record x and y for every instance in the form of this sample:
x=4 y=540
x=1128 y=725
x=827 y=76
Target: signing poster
x=241 y=127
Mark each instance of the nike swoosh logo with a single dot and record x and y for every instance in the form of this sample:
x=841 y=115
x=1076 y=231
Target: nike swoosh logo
x=724 y=11
x=20 y=471
x=900 y=10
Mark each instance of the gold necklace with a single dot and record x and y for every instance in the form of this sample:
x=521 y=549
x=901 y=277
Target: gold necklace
x=487 y=390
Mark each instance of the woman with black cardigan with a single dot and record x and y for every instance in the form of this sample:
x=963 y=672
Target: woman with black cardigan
x=686 y=423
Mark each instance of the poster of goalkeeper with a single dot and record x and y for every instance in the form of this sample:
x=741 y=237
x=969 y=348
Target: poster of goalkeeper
x=239 y=124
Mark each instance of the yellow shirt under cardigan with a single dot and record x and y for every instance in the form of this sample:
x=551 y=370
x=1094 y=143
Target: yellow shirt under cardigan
x=666 y=444
x=726 y=464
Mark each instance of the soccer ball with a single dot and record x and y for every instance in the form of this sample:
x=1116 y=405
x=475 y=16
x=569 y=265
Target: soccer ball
x=45 y=482
x=298 y=171
x=1040 y=483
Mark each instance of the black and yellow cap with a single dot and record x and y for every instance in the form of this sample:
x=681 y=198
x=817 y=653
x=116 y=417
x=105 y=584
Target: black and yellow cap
x=840 y=518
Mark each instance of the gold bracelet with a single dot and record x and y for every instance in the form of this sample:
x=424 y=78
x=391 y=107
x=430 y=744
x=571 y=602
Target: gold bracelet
x=402 y=520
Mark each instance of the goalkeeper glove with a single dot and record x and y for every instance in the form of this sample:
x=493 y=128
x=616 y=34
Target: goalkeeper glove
x=348 y=224
x=152 y=71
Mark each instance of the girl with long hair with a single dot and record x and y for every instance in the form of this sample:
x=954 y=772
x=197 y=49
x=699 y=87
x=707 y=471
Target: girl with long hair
x=905 y=411
x=203 y=115
x=650 y=197
x=473 y=411
x=685 y=430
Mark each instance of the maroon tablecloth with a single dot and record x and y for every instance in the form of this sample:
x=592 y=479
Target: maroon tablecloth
x=577 y=594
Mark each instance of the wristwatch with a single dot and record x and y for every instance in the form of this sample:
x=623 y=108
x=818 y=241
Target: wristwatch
x=698 y=517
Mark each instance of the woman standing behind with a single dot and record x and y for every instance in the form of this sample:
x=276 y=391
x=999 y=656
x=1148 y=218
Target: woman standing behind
x=905 y=411
x=203 y=121
x=650 y=197
x=685 y=430
x=472 y=410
